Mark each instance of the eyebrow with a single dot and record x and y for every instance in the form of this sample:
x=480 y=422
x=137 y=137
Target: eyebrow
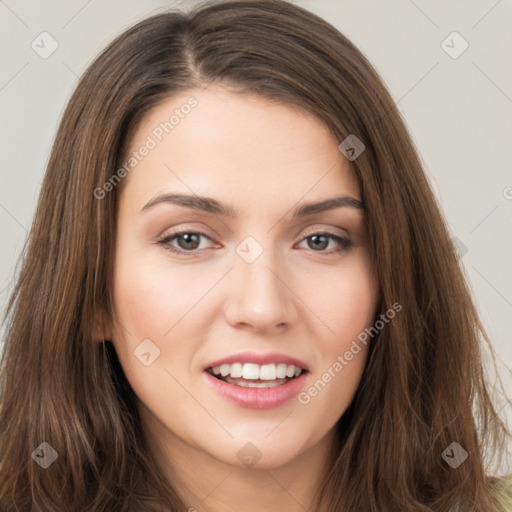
x=210 y=205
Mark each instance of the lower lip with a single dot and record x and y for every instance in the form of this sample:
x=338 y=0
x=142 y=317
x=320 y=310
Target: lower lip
x=257 y=398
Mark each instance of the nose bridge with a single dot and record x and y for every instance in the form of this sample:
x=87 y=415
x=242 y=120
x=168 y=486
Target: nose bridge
x=257 y=265
x=260 y=296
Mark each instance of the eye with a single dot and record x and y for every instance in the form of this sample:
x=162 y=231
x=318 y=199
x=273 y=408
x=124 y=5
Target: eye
x=321 y=241
x=189 y=242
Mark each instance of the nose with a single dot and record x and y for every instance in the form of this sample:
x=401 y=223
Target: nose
x=260 y=295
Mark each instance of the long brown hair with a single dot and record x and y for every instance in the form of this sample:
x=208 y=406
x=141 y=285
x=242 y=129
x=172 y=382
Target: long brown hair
x=424 y=386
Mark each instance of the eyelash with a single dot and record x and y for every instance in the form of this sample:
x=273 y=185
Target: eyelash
x=345 y=243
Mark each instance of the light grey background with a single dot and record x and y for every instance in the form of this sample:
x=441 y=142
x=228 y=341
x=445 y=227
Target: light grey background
x=458 y=110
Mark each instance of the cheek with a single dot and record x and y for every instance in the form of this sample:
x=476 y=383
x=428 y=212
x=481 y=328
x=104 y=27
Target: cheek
x=151 y=296
x=331 y=393
x=346 y=302
x=148 y=305
x=349 y=307
x=143 y=305
x=161 y=302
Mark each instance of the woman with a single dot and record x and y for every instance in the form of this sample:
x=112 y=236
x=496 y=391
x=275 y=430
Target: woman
x=239 y=292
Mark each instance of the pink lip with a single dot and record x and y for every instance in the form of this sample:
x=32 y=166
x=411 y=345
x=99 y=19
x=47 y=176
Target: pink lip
x=251 y=357
x=257 y=398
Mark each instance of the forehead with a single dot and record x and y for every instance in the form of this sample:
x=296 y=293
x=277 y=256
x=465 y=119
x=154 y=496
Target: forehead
x=218 y=142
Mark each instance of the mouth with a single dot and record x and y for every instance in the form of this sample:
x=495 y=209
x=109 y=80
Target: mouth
x=252 y=375
x=256 y=386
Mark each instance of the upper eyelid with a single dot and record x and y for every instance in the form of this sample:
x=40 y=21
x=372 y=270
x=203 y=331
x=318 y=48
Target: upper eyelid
x=303 y=233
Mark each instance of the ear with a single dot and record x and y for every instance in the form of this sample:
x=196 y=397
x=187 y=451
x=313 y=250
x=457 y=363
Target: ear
x=102 y=329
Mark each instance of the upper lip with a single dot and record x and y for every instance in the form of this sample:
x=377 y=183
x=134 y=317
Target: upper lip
x=260 y=359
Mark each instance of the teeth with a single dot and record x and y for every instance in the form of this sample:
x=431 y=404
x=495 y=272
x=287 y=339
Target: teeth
x=251 y=384
x=252 y=371
x=236 y=370
x=290 y=371
x=268 y=372
x=281 y=370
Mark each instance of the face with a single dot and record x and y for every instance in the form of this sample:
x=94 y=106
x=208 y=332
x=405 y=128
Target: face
x=234 y=314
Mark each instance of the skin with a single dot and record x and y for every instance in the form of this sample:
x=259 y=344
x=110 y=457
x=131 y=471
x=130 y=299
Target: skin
x=297 y=298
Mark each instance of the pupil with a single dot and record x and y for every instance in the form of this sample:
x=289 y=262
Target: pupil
x=187 y=237
x=316 y=237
